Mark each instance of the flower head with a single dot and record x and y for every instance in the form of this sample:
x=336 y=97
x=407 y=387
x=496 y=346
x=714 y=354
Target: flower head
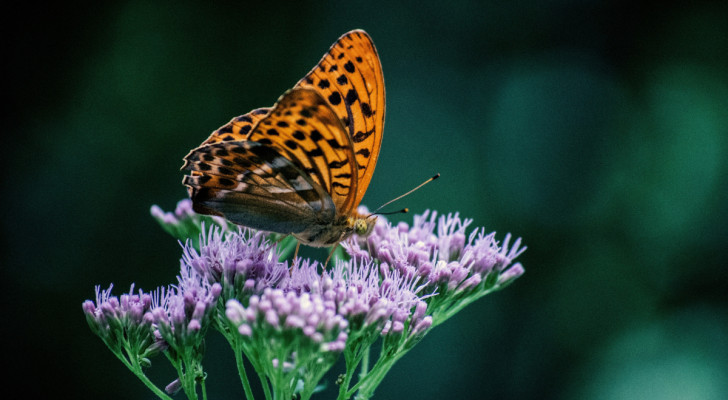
x=242 y=261
x=438 y=250
x=123 y=321
x=183 y=313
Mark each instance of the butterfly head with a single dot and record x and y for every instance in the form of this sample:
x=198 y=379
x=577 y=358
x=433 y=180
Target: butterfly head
x=362 y=224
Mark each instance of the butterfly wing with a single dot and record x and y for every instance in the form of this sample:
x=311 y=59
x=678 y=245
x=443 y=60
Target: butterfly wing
x=350 y=78
x=279 y=178
x=238 y=128
x=253 y=185
x=304 y=129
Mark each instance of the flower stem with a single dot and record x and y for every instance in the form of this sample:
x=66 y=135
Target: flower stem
x=132 y=363
x=364 y=363
x=240 y=361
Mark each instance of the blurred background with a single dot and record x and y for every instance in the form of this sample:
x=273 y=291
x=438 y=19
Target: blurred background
x=597 y=131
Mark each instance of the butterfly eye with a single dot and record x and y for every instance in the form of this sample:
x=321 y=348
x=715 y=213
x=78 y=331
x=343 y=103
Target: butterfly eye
x=361 y=227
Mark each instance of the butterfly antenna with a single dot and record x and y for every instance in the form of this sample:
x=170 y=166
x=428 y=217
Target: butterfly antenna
x=400 y=196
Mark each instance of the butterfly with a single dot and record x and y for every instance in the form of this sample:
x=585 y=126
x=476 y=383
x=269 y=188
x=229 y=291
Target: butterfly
x=302 y=166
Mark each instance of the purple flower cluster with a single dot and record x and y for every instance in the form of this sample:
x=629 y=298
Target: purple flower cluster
x=184 y=223
x=126 y=310
x=123 y=322
x=438 y=251
x=181 y=212
x=399 y=282
x=304 y=317
x=242 y=261
x=369 y=296
x=182 y=313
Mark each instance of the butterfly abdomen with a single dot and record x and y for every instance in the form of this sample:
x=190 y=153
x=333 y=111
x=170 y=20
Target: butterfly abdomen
x=324 y=234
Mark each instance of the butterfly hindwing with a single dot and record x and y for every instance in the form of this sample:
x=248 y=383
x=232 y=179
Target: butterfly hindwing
x=350 y=78
x=238 y=128
x=270 y=194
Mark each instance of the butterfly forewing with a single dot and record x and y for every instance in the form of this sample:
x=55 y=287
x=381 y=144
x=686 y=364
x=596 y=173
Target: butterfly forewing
x=303 y=127
x=350 y=78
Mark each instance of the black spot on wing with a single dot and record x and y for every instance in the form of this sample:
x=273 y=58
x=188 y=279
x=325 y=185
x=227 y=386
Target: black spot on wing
x=316 y=135
x=316 y=152
x=226 y=182
x=338 y=164
x=351 y=96
x=291 y=144
x=349 y=67
x=335 y=98
x=366 y=109
x=364 y=152
x=361 y=136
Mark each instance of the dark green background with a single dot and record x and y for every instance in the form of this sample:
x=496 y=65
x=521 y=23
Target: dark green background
x=597 y=131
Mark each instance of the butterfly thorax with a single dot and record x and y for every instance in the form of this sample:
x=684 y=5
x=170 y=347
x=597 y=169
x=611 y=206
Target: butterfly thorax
x=327 y=233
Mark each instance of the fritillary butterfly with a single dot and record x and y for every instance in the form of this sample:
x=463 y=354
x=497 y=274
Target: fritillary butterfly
x=302 y=166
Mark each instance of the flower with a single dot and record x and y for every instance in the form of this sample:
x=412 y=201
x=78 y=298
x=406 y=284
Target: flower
x=183 y=313
x=277 y=315
x=289 y=337
x=293 y=323
x=123 y=323
x=437 y=250
x=242 y=261
x=184 y=223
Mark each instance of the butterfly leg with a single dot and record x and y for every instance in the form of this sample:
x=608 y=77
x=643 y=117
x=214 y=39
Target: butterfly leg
x=295 y=255
x=333 y=248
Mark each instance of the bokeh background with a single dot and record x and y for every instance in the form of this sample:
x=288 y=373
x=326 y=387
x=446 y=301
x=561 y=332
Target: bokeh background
x=595 y=130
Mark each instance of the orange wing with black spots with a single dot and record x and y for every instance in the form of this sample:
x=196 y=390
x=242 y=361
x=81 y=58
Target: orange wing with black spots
x=303 y=128
x=238 y=128
x=350 y=78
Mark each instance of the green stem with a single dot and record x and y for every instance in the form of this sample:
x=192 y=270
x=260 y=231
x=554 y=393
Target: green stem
x=240 y=362
x=266 y=386
x=364 y=363
x=204 y=390
x=188 y=385
x=133 y=365
x=352 y=359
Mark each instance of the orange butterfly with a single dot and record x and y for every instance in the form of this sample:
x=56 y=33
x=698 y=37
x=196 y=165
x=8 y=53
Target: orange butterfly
x=303 y=166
